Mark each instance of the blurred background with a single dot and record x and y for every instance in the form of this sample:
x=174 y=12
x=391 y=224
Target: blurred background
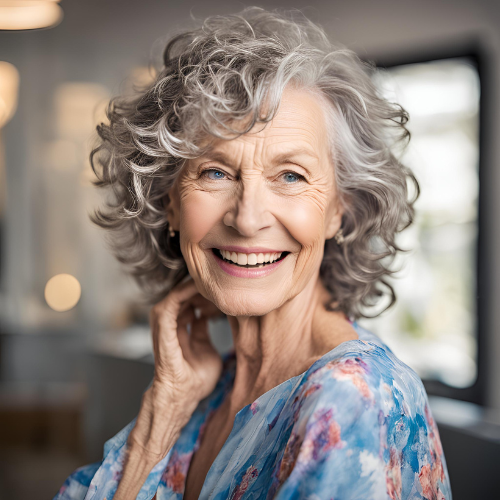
x=75 y=349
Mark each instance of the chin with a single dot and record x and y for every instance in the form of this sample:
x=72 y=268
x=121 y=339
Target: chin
x=234 y=306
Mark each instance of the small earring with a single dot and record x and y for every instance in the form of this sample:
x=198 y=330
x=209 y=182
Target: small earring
x=339 y=237
x=171 y=232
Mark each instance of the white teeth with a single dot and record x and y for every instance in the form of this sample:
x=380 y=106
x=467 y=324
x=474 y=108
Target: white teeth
x=252 y=259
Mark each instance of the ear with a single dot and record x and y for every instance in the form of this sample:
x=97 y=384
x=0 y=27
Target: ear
x=334 y=220
x=172 y=206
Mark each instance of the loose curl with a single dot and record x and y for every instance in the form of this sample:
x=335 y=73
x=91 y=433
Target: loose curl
x=218 y=81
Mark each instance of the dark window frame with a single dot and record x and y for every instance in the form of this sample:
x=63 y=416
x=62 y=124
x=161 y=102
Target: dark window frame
x=476 y=52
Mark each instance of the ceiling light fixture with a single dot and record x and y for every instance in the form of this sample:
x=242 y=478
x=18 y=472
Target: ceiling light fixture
x=29 y=14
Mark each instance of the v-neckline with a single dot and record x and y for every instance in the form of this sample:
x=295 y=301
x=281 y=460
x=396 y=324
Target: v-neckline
x=232 y=356
x=215 y=400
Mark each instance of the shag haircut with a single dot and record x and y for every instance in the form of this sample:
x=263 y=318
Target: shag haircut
x=224 y=71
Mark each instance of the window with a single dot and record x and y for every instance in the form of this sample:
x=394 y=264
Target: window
x=433 y=327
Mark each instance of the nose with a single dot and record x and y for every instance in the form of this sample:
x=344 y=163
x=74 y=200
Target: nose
x=250 y=212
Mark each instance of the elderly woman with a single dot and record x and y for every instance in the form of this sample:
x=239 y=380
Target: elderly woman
x=256 y=178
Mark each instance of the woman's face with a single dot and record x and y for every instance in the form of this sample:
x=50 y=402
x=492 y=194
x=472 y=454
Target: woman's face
x=268 y=191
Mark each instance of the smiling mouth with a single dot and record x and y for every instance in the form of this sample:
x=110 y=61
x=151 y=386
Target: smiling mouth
x=218 y=254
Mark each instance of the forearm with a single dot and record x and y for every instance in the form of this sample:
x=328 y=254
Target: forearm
x=137 y=468
x=158 y=427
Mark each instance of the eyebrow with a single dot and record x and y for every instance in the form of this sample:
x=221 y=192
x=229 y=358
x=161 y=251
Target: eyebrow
x=287 y=157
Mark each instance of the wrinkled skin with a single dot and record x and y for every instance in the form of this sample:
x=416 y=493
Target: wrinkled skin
x=272 y=187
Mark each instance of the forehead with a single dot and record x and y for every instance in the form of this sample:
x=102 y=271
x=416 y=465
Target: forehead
x=299 y=125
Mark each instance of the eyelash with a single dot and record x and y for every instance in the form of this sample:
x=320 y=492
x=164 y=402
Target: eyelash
x=299 y=176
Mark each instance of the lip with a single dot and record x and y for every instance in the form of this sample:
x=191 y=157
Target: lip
x=237 y=249
x=241 y=272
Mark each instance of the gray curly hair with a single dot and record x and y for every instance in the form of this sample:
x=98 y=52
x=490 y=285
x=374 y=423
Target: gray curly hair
x=220 y=74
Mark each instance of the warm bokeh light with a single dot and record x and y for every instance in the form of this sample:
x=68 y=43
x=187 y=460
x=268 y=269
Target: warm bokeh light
x=79 y=106
x=62 y=292
x=9 y=84
x=140 y=77
x=29 y=14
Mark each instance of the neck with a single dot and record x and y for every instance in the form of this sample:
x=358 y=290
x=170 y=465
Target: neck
x=283 y=343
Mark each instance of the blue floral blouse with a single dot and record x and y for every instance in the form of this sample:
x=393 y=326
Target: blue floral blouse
x=355 y=425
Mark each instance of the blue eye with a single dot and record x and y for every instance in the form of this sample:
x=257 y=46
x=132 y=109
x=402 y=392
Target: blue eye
x=216 y=177
x=292 y=175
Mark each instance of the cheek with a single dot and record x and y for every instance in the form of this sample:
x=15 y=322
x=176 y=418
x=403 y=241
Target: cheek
x=305 y=223
x=199 y=213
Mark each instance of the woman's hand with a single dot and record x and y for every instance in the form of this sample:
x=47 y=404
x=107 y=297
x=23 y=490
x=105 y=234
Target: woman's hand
x=186 y=364
x=187 y=368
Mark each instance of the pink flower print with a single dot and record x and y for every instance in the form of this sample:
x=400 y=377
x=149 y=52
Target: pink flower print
x=393 y=475
x=248 y=478
x=175 y=473
x=425 y=481
x=353 y=370
x=300 y=399
x=289 y=457
x=117 y=475
x=433 y=433
x=434 y=472
x=311 y=389
x=323 y=435
x=306 y=391
x=429 y=478
x=254 y=407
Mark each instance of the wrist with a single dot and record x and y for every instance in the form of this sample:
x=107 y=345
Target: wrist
x=152 y=444
x=139 y=461
x=159 y=423
x=136 y=469
x=174 y=403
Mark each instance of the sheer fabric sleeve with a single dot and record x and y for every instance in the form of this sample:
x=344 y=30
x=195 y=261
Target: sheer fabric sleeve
x=364 y=431
x=77 y=484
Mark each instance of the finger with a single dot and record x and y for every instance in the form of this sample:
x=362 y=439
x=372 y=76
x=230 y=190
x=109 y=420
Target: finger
x=182 y=331
x=205 y=306
x=202 y=302
x=199 y=331
x=165 y=313
x=211 y=312
x=199 y=301
x=164 y=326
x=169 y=358
x=202 y=307
x=186 y=317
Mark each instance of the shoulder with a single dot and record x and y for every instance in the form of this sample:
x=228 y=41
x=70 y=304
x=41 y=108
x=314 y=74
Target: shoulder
x=353 y=396
x=362 y=416
x=370 y=392
x=369 y=370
